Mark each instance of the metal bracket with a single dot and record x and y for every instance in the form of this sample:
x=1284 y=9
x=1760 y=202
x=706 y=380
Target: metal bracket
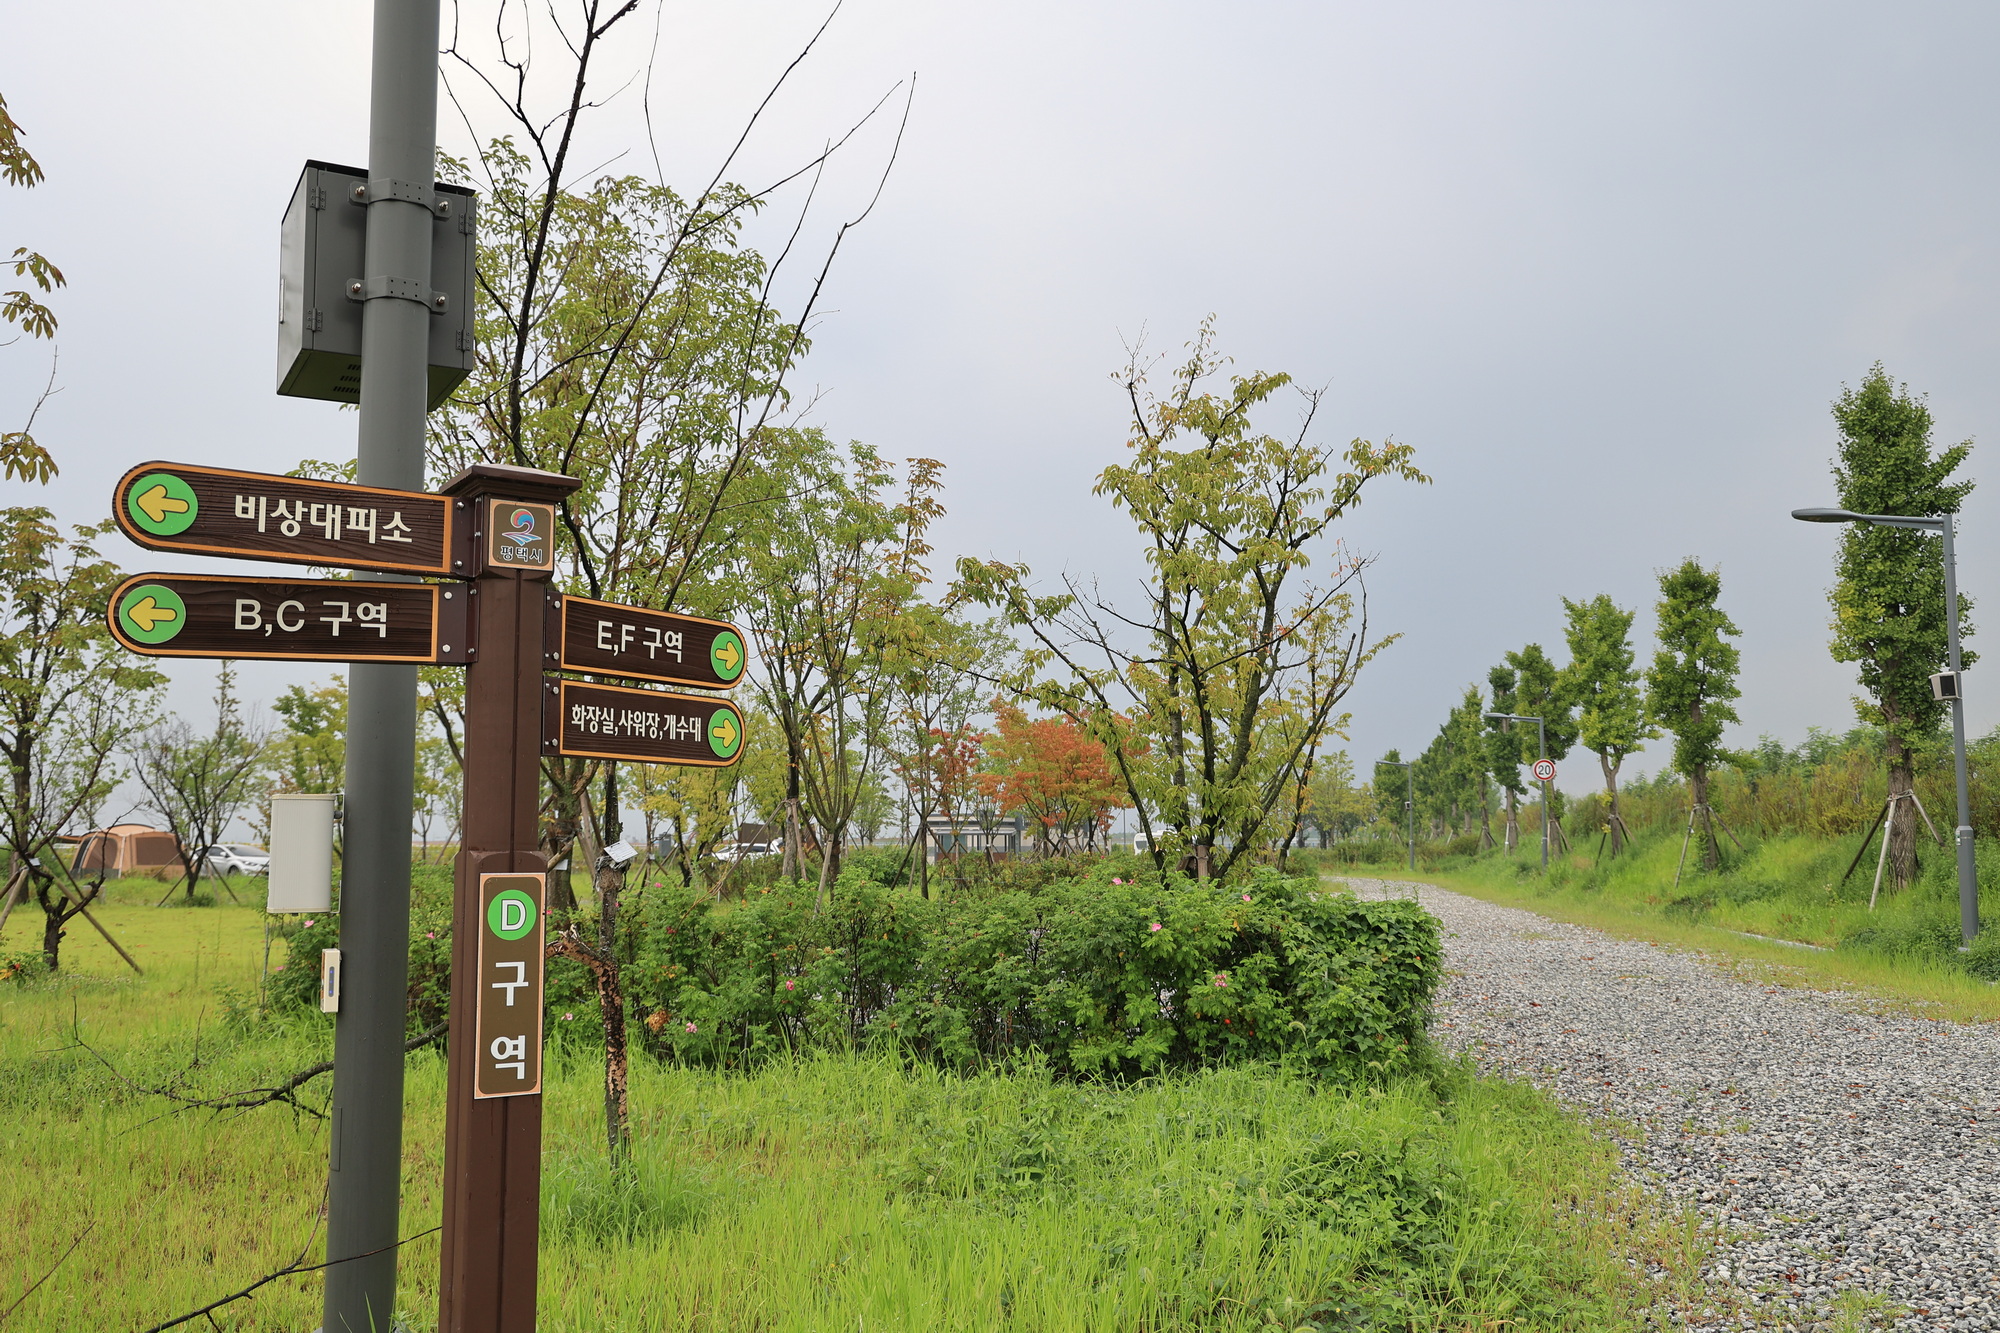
x=380 y=188
x=407 y=289
x=458 y=625
x=551 y=716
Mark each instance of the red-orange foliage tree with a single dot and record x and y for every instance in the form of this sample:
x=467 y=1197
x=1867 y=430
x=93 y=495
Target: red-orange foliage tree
x=1053 y=771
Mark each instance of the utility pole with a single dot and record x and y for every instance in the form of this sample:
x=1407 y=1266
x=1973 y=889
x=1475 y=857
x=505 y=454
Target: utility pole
x=365 y=1166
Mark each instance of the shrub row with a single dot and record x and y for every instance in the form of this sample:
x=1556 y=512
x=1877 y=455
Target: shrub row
x=1096 y=972
x=1099 y=973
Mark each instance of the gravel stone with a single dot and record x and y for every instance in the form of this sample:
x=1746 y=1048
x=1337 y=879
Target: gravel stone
x=1838 y=1148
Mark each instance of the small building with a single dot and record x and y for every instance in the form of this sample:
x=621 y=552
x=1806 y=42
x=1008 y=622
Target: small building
x=992 y=836
x=125 y=849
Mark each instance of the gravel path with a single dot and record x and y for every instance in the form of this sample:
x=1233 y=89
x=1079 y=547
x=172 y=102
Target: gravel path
x=1843 y=1150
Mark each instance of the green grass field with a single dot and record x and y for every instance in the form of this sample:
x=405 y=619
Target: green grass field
x=1785 y=888
x=839 y=1193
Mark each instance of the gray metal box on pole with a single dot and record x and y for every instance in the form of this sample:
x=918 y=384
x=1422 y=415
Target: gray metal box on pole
x=301 y=853
x=321 y=268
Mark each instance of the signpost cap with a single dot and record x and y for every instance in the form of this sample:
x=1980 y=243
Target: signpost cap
x=516 y=483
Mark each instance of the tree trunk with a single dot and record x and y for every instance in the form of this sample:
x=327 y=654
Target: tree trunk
x=1614 y=820
x=1902 y=831
x=1711 y=853
x=1513 y=820
x=53 y=919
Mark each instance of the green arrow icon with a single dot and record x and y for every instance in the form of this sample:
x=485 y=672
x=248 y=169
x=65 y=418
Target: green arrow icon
x=725 y=733
x=726 y=655
x=162 y=504
x=150 y=613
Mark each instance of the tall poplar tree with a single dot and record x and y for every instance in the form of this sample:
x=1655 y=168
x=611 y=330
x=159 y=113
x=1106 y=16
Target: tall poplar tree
x=1503 y=748
x=1692 y=680
x=1604 y=686
x=1888 y=592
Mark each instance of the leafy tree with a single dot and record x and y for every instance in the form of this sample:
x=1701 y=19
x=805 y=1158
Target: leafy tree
x=1336 y=806
x=1211 y=695
x=1692 y=680
x=197 y=782
x=1503 y=748
x=694 y=807
x=1538 y=692
x=828 y=581
x=20 y=456
x=310 y=753
x=70 y=698
x=1888 y=593
x=1053 y=771
x=1604 y=686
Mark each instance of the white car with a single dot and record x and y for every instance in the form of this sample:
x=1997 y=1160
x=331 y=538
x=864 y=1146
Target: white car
x=235 y=858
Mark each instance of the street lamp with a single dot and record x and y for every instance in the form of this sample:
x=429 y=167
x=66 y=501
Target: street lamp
x=1409 y=801
x=1541 y=752
x=1945 y=686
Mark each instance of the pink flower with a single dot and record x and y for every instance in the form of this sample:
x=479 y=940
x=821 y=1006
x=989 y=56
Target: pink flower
x=1246 y=897
x=691 y=1027
x=1115 y=881
x=430 y=934
x=568 y=1018
x=1222 y=978
x=790 y=984
x=308 y=921
x=1155 y=926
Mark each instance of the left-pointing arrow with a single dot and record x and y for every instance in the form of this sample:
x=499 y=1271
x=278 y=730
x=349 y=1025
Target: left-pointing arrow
x=152 y=613
x=161 y=504
x=147 y=613
x=157 y=504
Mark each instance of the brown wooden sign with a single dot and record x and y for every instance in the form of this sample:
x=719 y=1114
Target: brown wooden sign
x=649 y=726
x=617 y=640
x=507 y=1045
x=257 y=516
x=301 y=620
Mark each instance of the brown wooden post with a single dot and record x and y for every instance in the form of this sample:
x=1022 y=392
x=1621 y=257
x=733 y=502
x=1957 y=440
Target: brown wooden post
x=493 y=1140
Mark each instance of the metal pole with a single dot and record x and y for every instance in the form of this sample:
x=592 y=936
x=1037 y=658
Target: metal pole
x=365 y=1155
x=1542 y=752
x=1410 y=805
x=1968 y=878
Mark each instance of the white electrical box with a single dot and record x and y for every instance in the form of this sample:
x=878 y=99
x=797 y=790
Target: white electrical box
x=301 y=853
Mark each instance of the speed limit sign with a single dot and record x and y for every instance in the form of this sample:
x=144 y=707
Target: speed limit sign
x=1545 y=770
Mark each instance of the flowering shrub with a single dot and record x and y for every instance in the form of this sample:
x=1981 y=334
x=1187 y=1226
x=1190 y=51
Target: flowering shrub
x=1100 y=975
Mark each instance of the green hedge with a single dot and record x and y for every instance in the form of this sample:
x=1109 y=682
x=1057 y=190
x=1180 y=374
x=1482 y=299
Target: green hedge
x=1099 y=973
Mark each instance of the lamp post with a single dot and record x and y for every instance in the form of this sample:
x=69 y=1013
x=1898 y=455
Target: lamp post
x=1946 y=685
x=1409 y=801
x=1541 y=752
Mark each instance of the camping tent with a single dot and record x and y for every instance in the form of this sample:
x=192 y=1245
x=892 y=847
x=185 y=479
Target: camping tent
x=125 y=849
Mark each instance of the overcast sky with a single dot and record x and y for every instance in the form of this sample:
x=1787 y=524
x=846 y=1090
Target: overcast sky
x=1605 y=267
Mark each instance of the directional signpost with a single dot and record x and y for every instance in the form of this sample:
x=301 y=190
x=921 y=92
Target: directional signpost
x=631 y=641
x=257 y=516
x=648 y=726
x=299 y=620
x=493 y=533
